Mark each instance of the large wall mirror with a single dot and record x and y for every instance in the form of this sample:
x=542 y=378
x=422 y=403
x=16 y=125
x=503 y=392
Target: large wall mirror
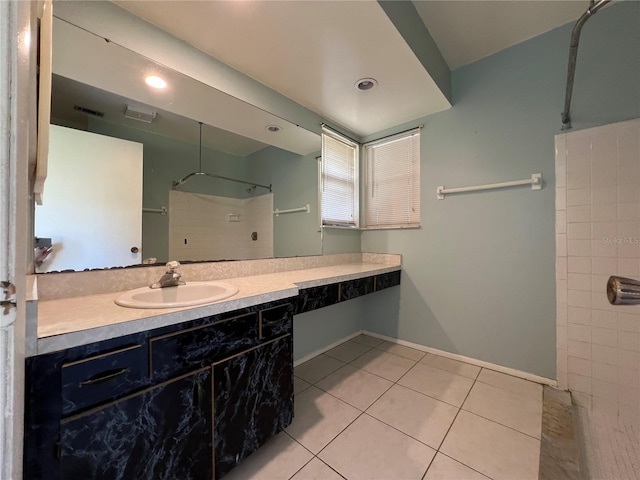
x=118 y=146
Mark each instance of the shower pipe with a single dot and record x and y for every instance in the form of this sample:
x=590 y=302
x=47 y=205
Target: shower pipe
x=573 y=54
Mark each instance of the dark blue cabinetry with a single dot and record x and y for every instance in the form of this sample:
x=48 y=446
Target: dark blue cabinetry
x=161 y=433
x=253 y=395
x=186 y=401
x=142 y=406
x=325 y=295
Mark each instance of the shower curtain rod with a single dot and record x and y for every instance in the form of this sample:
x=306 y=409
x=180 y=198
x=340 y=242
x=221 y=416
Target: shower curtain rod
x=213 y=175
x=573 y=54
x=176 y=184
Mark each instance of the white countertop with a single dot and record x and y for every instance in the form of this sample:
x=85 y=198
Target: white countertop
x=69 y=322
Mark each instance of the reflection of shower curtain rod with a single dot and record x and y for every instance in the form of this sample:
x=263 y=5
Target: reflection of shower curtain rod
x=213 y=175
x=175 y=184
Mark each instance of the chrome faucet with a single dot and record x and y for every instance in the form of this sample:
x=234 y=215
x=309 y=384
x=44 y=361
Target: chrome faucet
x=171 y=278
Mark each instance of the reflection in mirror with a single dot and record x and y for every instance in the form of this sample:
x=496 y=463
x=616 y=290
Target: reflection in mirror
x=118 y=146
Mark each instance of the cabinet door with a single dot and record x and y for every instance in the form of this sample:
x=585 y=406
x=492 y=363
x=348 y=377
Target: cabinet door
x=253 y=400
x=161 y=433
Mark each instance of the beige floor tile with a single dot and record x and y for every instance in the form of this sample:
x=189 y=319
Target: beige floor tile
x=318 y=418
x=437 y=383
x=317 y=368
x=299 y=385
x=317 y=470
x=355 y=386
x=369 y=449
x=367 y=340
x=386 y=365
x=401 y=350
x=511 y=383
x=492 y=449
x=424 y=418
x=445 y=468
x=279 y=458
x=348 y=351
x=513 y=410
x=453 y=366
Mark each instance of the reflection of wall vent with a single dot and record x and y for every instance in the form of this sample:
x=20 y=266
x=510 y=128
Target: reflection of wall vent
x=88 y=111
x=140 y=114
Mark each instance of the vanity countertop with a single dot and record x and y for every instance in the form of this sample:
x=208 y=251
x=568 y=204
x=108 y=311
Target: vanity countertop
x=69 y=322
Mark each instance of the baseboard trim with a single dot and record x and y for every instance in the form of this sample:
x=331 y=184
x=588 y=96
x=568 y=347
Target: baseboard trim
x=480 y=363
x=320 y=351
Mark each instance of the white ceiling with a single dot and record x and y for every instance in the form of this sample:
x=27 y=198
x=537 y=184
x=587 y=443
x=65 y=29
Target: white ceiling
x=314 y=51
x=466 y=31
x=89 y=60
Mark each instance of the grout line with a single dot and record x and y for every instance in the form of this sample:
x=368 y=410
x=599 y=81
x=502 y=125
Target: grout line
x=393 y=383
x=456 y=417
x=340 y=432
x=307 y=463
x=502 y=424
x=471 y=468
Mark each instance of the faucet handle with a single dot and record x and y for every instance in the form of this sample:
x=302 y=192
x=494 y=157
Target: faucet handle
x=172 y=266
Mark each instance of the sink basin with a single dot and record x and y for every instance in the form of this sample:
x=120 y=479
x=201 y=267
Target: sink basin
x=193 y=293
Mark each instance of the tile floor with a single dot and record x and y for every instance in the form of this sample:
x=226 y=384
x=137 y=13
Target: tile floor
x=370 y=409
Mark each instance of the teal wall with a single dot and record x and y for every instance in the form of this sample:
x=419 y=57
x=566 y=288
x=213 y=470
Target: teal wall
x=166 y=160
x=315 y=330
x=294 y=179
x=479 y=276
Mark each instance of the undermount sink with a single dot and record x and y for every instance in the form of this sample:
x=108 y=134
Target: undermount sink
x=191 y=294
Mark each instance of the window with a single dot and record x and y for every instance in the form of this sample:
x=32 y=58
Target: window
x=339 y=180
x=392 y=186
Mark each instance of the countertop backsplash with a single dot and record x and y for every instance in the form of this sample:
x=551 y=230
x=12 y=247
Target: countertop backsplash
x=77 y=284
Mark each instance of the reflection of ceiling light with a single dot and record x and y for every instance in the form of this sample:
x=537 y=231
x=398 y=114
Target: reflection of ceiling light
x=273 y=128
x=366 y=83
x=155 y=82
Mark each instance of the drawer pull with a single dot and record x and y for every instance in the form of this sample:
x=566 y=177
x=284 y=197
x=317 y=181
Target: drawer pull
x=105 y=376
x=228 y=388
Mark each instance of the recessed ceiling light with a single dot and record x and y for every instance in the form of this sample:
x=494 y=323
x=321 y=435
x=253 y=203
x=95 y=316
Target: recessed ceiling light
x=155 y=81
x=366 y=83
x=273 y=128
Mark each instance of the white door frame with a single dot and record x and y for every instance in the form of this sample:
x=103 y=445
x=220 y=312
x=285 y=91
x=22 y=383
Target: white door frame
x=17 y=115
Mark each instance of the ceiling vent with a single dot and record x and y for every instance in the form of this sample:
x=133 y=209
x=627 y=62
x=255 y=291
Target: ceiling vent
x=88 y=111
x=139 y=113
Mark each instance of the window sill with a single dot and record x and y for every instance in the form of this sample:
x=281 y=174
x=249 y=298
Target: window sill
x=399 y=227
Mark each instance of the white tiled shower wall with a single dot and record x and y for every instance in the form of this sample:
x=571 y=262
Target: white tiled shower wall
x=598 y=235
x=204 y=227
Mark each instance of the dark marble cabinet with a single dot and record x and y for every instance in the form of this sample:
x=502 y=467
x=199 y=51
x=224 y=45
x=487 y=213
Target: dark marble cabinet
x=253 y=392
x=187 y=401
x=134 y=438
x=317 y=297
x=149 y=405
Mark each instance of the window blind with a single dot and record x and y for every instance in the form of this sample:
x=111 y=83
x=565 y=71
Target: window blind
x=339 y=181
x=392 y=186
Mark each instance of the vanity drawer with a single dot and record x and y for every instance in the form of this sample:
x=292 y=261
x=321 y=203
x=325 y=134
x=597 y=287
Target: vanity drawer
x=276 y=321
x=387 y=280
x=317 y=297
x=186 y=350
x=96 y=379
x=356 y=288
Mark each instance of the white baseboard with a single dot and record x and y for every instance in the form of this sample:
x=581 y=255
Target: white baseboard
x=454 y=356
x=480 y=363
x=315 y=353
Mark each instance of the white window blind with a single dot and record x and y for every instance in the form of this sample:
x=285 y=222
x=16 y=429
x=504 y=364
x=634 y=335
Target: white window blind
x=339 y=180
x=393 y=181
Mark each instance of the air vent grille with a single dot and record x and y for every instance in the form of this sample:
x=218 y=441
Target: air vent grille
x=88 y=111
